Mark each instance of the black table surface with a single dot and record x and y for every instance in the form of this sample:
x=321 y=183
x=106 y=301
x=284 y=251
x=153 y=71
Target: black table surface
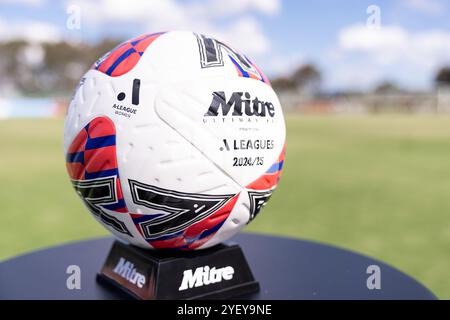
x=286 y=269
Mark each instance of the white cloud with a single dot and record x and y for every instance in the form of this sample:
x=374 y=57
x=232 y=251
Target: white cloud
x=131 y=11
x=393 y=44
x=431 y=7
x=240 y=29
x=29 y=30
x=220 y=8
x=282 y=64
x=362 y=57
x=360 y=37
x=142 y=11
x=246 y=34
x=30 y=3
x=269 y=7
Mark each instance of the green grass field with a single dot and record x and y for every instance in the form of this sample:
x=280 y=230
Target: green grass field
x=377 y=185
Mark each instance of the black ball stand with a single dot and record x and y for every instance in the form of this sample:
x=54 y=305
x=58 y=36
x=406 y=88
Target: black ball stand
x=219 y=272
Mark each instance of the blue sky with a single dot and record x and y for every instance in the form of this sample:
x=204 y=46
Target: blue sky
x=411 y=42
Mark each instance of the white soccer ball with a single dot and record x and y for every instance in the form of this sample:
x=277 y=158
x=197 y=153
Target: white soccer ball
x=174 y=140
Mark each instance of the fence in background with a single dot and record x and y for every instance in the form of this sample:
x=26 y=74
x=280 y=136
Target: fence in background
x=437 y=102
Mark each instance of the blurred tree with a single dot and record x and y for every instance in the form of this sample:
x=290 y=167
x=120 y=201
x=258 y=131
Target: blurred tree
x=443 y=77
x=307 y=76
x=305 y=79
x=387 y=87
x=283 y=84
x=49 y=68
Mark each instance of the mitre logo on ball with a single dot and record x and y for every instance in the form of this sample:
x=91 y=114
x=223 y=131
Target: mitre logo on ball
x=241 y=104
x=174 y=140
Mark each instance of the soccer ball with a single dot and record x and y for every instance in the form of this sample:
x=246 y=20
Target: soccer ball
x=174 y=140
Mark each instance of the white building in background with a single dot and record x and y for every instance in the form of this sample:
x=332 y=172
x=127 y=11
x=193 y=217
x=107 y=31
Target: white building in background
x=29 y=108
x=443 y=99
